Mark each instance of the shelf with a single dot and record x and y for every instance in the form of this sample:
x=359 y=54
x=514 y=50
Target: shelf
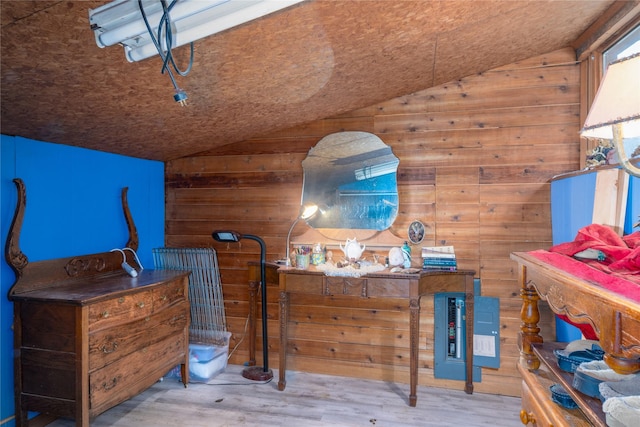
x=590 y=407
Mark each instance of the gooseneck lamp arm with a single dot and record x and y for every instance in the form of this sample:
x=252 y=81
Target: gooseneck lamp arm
x=234 y=236
x=307 y=212
x=288 y=257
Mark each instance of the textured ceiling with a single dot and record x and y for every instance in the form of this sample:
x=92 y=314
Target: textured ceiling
x=313 y=60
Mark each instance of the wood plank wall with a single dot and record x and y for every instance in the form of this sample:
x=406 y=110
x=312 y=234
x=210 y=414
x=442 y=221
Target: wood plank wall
x=476 y=158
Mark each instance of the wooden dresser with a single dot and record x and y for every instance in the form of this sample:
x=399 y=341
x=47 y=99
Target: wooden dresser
x=615 y=318
x=87 y=335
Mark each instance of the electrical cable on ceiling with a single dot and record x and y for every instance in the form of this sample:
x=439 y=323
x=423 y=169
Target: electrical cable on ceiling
x=164 y=26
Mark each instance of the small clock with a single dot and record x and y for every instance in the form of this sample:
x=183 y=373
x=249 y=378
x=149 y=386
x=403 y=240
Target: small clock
x=416 y=232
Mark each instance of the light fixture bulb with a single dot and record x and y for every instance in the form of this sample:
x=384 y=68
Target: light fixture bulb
x=308 y=211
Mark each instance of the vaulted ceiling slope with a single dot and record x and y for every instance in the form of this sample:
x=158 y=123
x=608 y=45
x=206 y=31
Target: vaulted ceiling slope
x=313 y=60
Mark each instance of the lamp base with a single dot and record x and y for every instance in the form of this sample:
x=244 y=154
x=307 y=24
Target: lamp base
x=257 y=373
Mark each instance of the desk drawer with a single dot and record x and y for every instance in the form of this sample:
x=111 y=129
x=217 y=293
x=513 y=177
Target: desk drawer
x=353 y=286
x=304 y=284
x=120 y=310
x=108 y=345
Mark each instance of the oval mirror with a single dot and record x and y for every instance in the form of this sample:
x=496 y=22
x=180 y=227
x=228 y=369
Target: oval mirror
x=351 y=177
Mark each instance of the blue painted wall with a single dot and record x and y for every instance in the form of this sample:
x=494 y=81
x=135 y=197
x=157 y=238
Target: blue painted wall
x=572 y=200
x=632 y=216
x=73 y=207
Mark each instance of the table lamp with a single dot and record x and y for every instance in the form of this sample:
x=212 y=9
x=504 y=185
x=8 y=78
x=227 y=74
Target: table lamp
x=306 y=212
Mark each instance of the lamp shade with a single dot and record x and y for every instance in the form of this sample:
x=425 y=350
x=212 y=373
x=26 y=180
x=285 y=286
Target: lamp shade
x=308 y=211
x=615 y=112
x=617 y=101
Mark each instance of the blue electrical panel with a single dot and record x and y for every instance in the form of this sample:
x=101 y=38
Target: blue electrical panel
x=450 y=338
x=450 y=335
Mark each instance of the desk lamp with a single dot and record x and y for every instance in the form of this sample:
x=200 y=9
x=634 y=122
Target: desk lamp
x=615 y=113
x=306 y=213
x=256 y=373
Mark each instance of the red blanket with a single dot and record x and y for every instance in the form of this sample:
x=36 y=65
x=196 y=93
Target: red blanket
x=622 y=254
x=619 y=272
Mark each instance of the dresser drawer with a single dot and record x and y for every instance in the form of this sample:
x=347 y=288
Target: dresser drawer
x=121 y=379
x=537 y=402
x=109 y=344
x=119 y=310
x=170 y=293
x=532 y=413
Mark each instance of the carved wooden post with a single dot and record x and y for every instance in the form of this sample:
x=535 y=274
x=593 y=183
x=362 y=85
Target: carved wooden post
x=530 y=316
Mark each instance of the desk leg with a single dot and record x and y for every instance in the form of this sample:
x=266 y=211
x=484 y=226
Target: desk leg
x=414 y=332
x=284 y=322
x=253 y=303
x=468 y=387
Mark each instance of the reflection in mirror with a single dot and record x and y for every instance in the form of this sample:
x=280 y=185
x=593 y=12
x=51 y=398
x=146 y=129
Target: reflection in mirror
x=351 y=176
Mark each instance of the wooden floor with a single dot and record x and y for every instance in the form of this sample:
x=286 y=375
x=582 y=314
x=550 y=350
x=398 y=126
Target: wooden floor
x=308 y=400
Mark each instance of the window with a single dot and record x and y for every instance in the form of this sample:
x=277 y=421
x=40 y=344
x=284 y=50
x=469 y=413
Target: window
x=626 y=46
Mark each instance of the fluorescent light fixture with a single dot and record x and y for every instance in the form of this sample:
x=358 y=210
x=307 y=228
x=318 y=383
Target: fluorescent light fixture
x=615 y=113
x=121 y=22
x=376 y=170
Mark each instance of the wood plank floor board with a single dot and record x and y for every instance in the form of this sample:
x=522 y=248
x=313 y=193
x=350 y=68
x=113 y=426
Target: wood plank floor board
x=309 y=400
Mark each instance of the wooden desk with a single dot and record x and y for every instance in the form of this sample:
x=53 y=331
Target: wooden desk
x=379 y=285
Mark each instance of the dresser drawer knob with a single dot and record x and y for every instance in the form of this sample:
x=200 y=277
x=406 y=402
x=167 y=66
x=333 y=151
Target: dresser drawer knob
x=141 y=304
x=121 y=300
x=105 y=314
x=176 y=320
x=109 y=385
x=106 y=350
x=164 y=298
x=527 y=417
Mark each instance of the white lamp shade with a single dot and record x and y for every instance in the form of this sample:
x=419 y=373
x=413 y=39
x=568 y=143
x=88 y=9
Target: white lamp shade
x=308 y=211
x=617 y=101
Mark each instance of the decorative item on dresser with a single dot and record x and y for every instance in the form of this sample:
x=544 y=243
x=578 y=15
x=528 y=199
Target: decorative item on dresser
x=87 y=334
x=611 y=307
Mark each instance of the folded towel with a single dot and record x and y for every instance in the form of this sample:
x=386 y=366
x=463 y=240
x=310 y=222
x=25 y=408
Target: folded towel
x=622 y=411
